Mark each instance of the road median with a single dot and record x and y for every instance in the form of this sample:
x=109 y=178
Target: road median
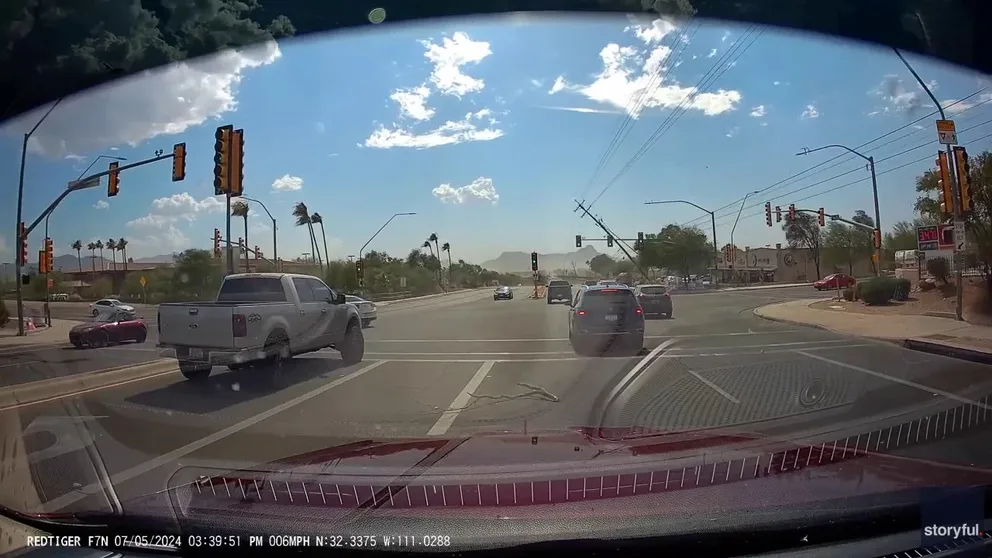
x=56 y=388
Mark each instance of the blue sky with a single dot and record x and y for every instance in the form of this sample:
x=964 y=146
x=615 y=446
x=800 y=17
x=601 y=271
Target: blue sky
x=489 y=130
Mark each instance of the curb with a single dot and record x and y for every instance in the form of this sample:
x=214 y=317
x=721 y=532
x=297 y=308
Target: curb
x=952 y=351
x=55 y=388
x=891 y=340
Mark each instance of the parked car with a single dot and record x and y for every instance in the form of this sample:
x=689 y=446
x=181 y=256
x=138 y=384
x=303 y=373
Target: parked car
x=108 y=328
x=105 y=305
x=260 y=318
x=366 y=309
x=835 y=281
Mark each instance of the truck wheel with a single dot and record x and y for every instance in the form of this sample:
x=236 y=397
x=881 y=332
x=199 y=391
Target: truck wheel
x=352 y=348
x=194 y=371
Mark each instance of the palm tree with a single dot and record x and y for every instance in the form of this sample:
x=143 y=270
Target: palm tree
x=240 y=209
x=92 y=248
x=112 y=245
x=316 y=218
x=77 y=246
x=99 y=246
x=437 y=250
x=121 y=245
x=446 y=247
x=302 y=215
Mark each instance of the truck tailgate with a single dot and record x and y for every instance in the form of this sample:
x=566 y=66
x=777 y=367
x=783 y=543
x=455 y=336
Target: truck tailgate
x=196 y=326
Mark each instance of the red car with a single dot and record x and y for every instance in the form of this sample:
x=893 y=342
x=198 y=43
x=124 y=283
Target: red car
x=835 y=281
x=112 y=327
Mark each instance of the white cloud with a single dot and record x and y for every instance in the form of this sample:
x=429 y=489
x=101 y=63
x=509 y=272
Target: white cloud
x=332 y=155
x=287 y=183
x=726 y=35
x=733 y=131
x=776 y=82
x=558 y=85
x=166 y=101
x=627 y=75
x=951 y=106
x=76 y=158
x=711 y=54
x=168 y=240
x=101 y=204
x=758 y=111
x=481 y=188
x=169 y=210
x=584 y=110
x=537 y=82
x=448 y=59
x=652 y=32
x=810 y=112
x=897 y=98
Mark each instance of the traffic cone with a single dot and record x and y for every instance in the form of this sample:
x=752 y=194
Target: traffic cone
x=31 y=325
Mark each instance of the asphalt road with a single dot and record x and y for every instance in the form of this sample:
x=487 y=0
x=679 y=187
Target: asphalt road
x=467 y=364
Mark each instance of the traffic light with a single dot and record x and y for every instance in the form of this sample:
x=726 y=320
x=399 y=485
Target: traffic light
x=964 y=170
x=768 y=213
x=533 y=261
x=217 y=243
x=222 y=159
x=24 y=244
x=359 y=270
x=179 y=162
x=640 y=241
x=49 y=256
x=258 y=254
x=945 y=182
x=792 y=212
x=778 y=214
x=609 y=241
x=578 y=241
x=237 y=176
x=821 y=217
x=241 y=245
x=877 y=234
x=113 y=180
x=42 y=264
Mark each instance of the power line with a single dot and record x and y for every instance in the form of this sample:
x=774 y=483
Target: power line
x=846 y=156
x=707 y=80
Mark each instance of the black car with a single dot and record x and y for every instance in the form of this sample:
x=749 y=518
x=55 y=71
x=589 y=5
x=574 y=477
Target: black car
x=559 y=291
x=604 y=319
x=503 y=293
x=655 y=300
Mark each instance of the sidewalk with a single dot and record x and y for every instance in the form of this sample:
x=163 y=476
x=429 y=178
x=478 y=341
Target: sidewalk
x=58 y=333
x=930 y=334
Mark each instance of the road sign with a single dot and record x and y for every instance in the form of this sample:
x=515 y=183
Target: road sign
x=960 y=238
x=91 y=182
x=927 y=238
x=143 y=281
x=946 y=133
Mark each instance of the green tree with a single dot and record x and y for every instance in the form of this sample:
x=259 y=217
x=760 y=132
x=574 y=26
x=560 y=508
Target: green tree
x=844 y=244
x=685 y=250
x=602 y=265
x=804 y=233
x=78 y=246
x=195 y=277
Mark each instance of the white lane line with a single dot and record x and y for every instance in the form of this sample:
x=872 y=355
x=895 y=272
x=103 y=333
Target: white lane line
x=142 y=468
x=479 y=353
x=533 y=340
x=448 y=417
x=714 y=387
x=910 y=383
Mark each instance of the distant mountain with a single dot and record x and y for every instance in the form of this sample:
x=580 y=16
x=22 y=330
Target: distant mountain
x=510 y=262
x=162 y=258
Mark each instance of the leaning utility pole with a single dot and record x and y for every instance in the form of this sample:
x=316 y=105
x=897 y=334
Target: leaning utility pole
x=620 y=243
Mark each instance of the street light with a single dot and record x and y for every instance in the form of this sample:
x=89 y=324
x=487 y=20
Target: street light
x=395 y=215
x=20 y=202
x=712 y=223
x=733 y=247
x=874 y=192
x=275 y=252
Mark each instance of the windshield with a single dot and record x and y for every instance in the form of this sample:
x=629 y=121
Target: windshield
x=726 y=168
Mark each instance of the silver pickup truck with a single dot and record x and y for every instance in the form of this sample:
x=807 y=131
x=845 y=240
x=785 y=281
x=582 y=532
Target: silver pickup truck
x=260 y=318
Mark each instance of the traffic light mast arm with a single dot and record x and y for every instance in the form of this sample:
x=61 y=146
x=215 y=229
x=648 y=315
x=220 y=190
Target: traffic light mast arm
x=853 y=223
x=51 y=207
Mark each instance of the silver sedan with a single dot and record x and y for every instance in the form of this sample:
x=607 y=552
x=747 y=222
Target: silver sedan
x=366 y=309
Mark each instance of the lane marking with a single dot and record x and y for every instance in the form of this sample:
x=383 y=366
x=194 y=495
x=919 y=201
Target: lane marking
x=448 y=417
x=532 y=340
x=909 y=383
x=714 y=387
x=151 y=464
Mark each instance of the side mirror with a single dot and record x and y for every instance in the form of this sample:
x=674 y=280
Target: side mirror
x=340 y=299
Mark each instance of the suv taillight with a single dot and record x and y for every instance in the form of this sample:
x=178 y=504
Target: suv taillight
x=239 y=325
x=639 y=310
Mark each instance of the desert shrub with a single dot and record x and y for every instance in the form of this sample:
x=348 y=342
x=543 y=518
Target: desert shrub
x=900 y=289
x=848 y=294
x=876 y=291
x=939 y=268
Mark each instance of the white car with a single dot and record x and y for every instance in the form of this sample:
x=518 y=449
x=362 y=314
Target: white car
x=366 y=309
x=106 y=304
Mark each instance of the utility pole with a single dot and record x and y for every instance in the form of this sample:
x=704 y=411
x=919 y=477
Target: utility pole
x=601 y=225
x=733 y=247
x=955 y=188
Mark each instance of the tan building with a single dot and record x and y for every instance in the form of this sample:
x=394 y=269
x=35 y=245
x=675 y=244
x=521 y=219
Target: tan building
x=783 y=265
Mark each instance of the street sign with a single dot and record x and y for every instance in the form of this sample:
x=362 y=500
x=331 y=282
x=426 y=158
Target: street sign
x=143 y=281
x=960 y=238
x=946 y=133
x=91 y=182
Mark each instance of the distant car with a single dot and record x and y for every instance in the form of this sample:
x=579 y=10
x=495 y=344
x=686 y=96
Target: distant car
x=835 y=281
x=366 y=309
x=655 y=300
x=104 y=305
x=558 y=291
x=605 y=318
x=107 y=328
x=590 y=283
x=503 y=293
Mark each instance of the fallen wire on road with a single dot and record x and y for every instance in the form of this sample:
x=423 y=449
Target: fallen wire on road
x=534 y=392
